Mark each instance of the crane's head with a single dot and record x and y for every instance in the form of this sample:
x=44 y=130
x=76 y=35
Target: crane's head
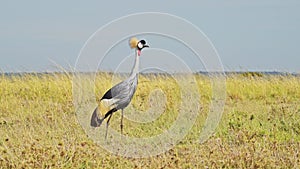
x=138 y=45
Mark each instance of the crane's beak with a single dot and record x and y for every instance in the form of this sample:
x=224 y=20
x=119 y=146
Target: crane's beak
x=146 y=46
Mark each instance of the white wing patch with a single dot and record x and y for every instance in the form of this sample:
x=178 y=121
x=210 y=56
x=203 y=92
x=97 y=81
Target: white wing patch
x=109 y=102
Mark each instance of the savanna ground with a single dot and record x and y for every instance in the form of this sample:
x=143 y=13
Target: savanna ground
x=260 y=126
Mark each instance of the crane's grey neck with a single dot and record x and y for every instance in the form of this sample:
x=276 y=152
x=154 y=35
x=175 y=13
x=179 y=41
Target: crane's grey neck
x=135 y=69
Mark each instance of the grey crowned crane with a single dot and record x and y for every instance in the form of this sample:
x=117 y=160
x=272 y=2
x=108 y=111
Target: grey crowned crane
x=119 y=96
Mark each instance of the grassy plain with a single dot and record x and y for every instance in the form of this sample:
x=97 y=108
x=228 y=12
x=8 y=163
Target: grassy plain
x=260 y=126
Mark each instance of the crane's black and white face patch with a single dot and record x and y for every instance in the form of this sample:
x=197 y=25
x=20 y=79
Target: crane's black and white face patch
x=143 y=42
x=140 y=45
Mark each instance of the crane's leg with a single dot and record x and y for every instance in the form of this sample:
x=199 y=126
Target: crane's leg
x=108 y=114
x=121 y=125
x=107 y=124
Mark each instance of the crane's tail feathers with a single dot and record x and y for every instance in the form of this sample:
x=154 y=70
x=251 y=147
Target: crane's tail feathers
x=96 y=121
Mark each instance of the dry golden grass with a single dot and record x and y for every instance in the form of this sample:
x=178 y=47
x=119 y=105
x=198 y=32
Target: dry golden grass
x=260 y=127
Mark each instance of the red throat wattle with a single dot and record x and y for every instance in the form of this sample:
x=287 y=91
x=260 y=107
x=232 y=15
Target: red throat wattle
x=138 y=52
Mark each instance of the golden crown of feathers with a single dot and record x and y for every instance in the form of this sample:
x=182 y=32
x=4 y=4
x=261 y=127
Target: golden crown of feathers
x=133 y=42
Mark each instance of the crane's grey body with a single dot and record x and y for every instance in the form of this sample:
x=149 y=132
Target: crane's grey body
x=121 y=94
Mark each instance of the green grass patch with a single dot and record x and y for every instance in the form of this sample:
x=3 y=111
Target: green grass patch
x=260 y=127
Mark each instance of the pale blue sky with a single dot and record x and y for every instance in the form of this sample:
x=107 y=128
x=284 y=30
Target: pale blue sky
x=261 y=35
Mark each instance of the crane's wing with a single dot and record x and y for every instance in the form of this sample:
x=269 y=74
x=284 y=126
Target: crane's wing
x=116 y=92
x=120 y=93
